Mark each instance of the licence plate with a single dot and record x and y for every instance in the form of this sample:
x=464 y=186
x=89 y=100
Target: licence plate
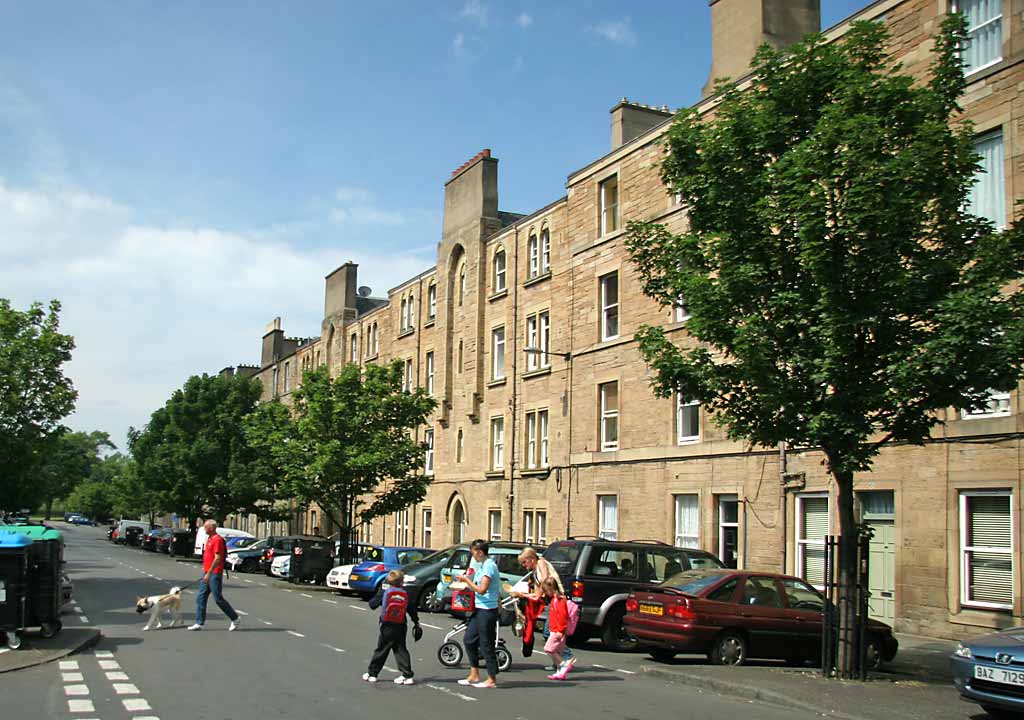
x=649 y=609
x=447 y=578
x=1006 y=677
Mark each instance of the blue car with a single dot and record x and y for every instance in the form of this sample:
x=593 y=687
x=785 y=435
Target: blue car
x=367 y=576
x=989 y=670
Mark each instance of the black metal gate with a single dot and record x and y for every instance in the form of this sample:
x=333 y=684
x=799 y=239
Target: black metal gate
x=853 y=635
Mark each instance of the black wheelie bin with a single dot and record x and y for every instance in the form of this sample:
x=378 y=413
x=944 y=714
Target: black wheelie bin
x=14 y=552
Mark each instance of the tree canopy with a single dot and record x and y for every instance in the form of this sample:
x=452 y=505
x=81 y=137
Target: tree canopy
x=347 y=439
x=66 y=459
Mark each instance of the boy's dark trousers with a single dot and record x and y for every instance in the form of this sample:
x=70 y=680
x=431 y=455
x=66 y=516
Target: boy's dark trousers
x=392 y=638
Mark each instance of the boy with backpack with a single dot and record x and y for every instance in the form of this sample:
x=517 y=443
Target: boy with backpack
x=562 y=618
x=394 y=603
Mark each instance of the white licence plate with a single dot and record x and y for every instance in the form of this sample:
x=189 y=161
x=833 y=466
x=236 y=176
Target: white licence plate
x=1006 y=677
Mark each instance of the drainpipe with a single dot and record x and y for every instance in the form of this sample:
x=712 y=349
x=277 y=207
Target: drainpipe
x=512 y=340
x=782 y=504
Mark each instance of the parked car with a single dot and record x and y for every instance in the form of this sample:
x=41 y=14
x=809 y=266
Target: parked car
x=163 y=541
x=278 y=545
x=82 y=520
x=598 y=575
x=367 y=576
x=281 y=566
x=423 y=575
x=989 y=670
x=149 y=540
x=337 y=578
x=247 y=559
x=238 y=541
x=133 y=535
x=505 y=556
x=734 y=615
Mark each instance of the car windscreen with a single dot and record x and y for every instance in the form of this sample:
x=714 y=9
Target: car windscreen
x=692 y=582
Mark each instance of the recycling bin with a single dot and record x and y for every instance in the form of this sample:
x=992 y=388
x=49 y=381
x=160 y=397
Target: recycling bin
x=44 y=597
x=14 y=562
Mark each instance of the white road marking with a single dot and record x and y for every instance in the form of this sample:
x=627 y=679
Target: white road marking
x=248 y=581
x=78 y=609
x=76 y=690
x=332 y=648
x=135 y=704
x=627 y=672
x=296 y=634
x=433 y=627
x=357 y=607
x=83 y=618
x=262 y=584
x=117 y=675
x=103 y=654
x=4 y=650
x=241 y=612
x=71 y=677
x=158 y=578
x=287 y=590
x=332 y=602
x=145 y=717
x=79 y=706
x=445 y=690
x=391 y=669
x=266 y=622
x=600 y=666
x=126 y=689
x=68 y=664
x=305 y=595
x=109 y=665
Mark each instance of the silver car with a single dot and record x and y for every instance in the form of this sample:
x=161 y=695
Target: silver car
x=989 y=670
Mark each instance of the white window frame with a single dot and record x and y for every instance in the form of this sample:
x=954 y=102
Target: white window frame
x=287 y=377
x=274 y=373
x=531 y=440
x=604 y=503
x=500 y=267
x=376 y=339
x=411 y=309
x=494 y=525
x=537 y=439
x=609 y=204
x=432 y=301
x=606 y=415
x=544 y=460
x=801 y=542
x=498 y=442
x=545 y=250
x=679 y=310
x=354 y=350
x=545 y=337
x=533 y=251
x=609 y=308
x=402 y=320
x=682 y=439
x=498 y=353
x=965 y=550
x=532 y=341
x=956 y=6
x=426 y=525
x=407 y=381
x=682 y=536
x=402 y=527
x=429 y=362
x=974 y=198
x=428 y=462
x=528 y=527
x=998 y=406
x=540 y=522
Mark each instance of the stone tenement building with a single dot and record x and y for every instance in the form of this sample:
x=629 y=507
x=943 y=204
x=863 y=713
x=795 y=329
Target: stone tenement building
x=533 y=447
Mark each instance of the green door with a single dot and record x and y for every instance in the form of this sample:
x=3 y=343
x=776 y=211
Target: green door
x=882 y=571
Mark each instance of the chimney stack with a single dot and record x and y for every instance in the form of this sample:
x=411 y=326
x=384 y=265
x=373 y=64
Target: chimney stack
x=631 y=120
x=739 y=27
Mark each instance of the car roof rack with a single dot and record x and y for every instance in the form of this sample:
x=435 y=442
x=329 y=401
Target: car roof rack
x=584 y=537
x=649 y=542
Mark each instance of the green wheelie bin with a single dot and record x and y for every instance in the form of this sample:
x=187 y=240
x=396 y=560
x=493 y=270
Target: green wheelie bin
x=14 y=551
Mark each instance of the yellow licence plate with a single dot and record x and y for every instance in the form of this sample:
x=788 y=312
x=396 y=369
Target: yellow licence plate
x=648 y=609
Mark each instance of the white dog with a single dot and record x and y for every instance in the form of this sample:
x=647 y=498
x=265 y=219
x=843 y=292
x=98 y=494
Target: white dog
x=171 y=602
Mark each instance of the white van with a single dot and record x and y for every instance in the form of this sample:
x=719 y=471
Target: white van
x=222 y=531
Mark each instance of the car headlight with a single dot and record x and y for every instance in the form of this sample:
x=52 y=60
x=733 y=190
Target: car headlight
x=963 y=651
x=410 y=579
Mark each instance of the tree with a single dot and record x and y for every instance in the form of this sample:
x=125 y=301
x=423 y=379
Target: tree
x=66 y=460
x=840 y=293
x=34 y=393
x=194 y=455
x=346 y=439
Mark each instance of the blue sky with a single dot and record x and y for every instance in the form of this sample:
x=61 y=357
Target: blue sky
x=178 y=174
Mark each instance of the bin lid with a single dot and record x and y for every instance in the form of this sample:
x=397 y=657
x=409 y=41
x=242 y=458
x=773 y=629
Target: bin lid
x=39 y=532
x=11 y=539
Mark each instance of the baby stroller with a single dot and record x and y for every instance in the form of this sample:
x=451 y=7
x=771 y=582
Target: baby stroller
x=451 y=651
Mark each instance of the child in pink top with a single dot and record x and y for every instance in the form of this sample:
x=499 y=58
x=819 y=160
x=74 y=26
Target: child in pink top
x=558 y=621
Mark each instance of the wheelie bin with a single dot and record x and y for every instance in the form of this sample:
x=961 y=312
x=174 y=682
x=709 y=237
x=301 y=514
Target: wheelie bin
x=42 y=608
x=14 y=561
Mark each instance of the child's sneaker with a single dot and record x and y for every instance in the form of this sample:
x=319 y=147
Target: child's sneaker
x=402 y=680
x=556 y=676
x=369 y=678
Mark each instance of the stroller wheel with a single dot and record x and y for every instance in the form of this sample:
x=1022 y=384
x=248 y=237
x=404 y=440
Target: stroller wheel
x=450 y=654
x=504 y=658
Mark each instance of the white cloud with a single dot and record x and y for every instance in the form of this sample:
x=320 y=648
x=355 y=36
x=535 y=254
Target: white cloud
x=524 y=20
x=459 y=44
x=149 y=305
x=618 y=32
x=476 y=11
x=359 y=206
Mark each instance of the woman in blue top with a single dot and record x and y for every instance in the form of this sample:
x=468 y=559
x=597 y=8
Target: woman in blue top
x=482 y=578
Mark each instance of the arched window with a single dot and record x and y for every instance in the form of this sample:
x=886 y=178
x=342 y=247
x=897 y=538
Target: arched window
x=458 y=522
x=499 y=269
x=462 y=283
x=355 y=347
x=432 y=301
x=545 y=250
x=411 y=322
x=376 y=339
x=533 y=251
x=402 y=325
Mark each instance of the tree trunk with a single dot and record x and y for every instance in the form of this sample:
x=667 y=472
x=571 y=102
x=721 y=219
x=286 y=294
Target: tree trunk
x=49 y=507
x=848 y=661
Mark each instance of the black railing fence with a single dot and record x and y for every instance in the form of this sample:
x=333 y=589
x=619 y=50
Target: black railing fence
x=841 y=639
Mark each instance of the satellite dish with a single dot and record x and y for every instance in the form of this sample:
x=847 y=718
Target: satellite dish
x=364 y=291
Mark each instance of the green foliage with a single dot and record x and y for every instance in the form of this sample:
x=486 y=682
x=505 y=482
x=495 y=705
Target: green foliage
x=346 y=439
x=193 y=454
x=836 y=284
x=108 y=493
x=34 y=393
x=66 y=459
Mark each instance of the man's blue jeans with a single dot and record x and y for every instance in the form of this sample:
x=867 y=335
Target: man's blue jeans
x=216 y=587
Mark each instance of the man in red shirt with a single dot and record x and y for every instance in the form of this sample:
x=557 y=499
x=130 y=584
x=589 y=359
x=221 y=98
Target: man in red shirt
x=214 y=554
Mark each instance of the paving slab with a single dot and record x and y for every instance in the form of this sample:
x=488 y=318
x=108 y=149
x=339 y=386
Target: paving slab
x=36 y=650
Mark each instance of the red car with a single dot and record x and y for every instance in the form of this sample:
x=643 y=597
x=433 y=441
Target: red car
x=733 y=615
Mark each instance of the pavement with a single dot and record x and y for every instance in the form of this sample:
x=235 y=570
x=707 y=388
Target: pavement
x=301 y=650
x=35 y=650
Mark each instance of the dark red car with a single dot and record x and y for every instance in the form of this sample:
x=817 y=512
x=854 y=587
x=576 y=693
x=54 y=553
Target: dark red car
x=733 y=615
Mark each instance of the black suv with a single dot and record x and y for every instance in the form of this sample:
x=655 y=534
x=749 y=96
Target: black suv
x=597 y=575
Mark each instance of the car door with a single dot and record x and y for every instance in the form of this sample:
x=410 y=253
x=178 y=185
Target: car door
x=456 y=566
x=804 y=606
x=761 y=615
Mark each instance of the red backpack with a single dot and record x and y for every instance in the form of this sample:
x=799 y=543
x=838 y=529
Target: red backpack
x=573 y=611
x=396 y=603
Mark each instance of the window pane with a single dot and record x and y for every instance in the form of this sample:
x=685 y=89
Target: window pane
x=687 y=513
x=988 y=521
x=761 y=591
x=988 y=194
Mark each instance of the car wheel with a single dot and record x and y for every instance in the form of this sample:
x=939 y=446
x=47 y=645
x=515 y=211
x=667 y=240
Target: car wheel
x=663 y=654
x=999 y=713
x=428 y=599
x=614 y=634
x=873 y=654
x=730 y=648
x=450 y=654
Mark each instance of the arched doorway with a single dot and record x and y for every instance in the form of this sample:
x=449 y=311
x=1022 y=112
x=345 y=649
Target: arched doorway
x=458 y=522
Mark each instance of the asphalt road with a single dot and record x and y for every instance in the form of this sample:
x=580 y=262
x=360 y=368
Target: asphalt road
x=300 y=653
